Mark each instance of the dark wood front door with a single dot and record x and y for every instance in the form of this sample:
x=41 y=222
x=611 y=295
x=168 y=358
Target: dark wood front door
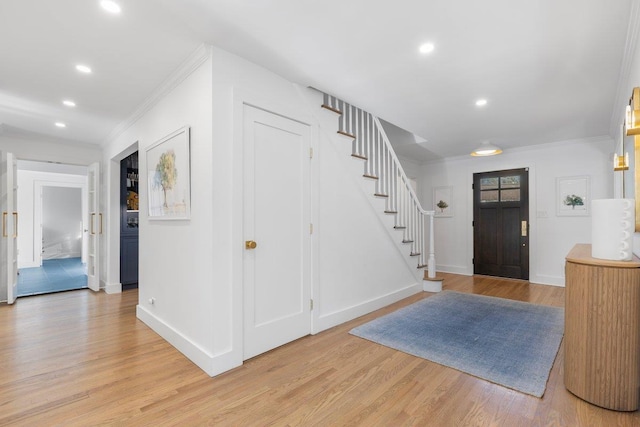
x=501 y=223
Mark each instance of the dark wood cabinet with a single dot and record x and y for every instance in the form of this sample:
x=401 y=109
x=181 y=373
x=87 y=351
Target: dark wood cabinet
x=129 y=211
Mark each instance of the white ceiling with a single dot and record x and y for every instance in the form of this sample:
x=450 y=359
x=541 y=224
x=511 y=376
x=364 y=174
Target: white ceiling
x=549 y=69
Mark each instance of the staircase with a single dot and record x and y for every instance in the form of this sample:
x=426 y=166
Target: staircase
x=371 y=144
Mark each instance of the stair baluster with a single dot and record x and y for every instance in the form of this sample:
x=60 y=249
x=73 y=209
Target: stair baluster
x=371 y=143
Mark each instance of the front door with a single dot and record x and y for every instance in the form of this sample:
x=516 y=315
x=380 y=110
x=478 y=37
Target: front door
x=9 y=243
x=277 y=284
x=501 y=223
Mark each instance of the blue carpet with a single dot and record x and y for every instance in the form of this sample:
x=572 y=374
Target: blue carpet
x=507 y=342
x=55 y=275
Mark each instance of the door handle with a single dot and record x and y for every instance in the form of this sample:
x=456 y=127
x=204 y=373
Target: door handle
x=250 y=244
x=523 y=229
x=15 y=225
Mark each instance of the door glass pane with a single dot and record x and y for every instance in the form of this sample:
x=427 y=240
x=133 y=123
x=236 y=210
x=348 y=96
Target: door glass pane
x=510 y=195
x=488 y=183
x=489 y=196
x=510 y=181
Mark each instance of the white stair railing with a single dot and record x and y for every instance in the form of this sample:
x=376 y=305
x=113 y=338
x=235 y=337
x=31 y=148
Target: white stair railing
x=371 y=144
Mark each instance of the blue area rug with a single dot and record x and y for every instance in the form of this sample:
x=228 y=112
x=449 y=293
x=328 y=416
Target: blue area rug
x=55 y=275
x=507 y=342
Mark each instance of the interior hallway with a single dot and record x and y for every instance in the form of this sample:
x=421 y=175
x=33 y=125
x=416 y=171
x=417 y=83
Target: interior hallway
x=55 y=275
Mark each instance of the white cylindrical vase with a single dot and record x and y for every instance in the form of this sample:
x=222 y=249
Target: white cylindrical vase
x=612 y=228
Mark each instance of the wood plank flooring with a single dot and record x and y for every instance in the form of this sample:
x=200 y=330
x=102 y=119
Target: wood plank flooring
x=83 y=359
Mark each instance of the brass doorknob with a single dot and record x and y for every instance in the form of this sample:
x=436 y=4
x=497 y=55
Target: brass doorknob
x=250 y=244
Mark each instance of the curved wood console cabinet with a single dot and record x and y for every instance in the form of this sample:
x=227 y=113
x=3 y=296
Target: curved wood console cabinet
x=602 y=330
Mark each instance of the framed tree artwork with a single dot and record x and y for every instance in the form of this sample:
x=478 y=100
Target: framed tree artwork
x=443 y=201
x=169 y=177
x=573 y=196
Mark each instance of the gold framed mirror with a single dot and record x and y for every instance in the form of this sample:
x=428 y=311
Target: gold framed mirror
x=632 y=130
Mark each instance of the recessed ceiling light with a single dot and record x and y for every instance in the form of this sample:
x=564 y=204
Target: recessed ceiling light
x=61 y=125
x=427 y=48
x=110 y=6
x=69 y=103
x=83 y=69
x=481 y=102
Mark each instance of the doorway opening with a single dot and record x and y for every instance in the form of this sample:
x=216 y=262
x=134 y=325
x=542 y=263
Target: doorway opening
x=501 y=223
x=52 y=243
x=129 y=211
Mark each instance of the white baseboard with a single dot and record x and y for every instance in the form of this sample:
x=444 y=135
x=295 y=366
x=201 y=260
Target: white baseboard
x=28 y=264
x=336 y=318
x=212 y=364
x=454 y=269
x=432 y=285
x=547 y=280
x=113 y=288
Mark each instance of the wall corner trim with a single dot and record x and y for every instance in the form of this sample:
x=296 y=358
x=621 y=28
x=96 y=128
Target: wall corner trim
x=113 y=288
x=192 y=63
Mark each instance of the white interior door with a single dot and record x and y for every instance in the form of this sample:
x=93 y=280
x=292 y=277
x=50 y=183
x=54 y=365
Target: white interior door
x=8 y=202
x=277 y=284
x=95 y=227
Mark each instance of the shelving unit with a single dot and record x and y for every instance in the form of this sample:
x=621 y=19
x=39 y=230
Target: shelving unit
x=129 y=208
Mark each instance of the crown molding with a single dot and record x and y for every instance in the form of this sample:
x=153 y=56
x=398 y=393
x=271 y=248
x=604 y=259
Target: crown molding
x=622 y=93
x=192 y=63
x=601 y=139
x=17 y=133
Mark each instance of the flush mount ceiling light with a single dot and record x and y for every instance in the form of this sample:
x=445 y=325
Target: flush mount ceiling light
x=110 y=6
x=61 y=125
x=83 y=69
x=486 y=149
x=69 y=103
x=481 y=102
x=427 y=48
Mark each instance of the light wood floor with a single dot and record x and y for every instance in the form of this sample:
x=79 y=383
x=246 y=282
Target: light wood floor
x=80 y=358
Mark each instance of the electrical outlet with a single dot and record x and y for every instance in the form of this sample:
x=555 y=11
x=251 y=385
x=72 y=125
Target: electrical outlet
x=152 y=301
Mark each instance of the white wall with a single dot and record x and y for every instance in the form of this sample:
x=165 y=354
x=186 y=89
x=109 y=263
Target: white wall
x=193 y=269
x=631 y=79
x=29 y=183
x=551 y=236
x=175 y=257
x=415 y=171
x=356 y=267
x=32 y=147
x=362 y=264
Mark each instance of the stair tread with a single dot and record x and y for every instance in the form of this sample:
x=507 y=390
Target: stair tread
x=414 y=254
x=399 y=227
x=380 y=195
x=358 y=156
x=407 y=241
x=391 y=212
x=335 y=110
x=370 y=176
x=341 y=132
